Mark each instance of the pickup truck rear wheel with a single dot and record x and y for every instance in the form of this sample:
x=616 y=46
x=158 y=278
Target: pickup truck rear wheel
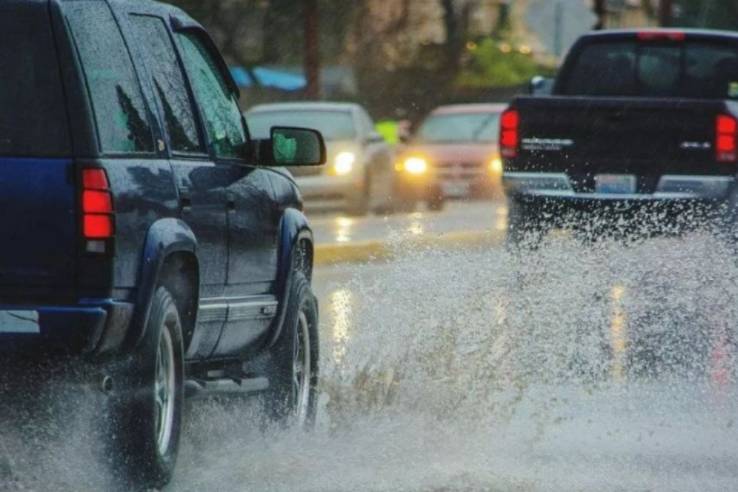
x=148 y=403
x=292 y=395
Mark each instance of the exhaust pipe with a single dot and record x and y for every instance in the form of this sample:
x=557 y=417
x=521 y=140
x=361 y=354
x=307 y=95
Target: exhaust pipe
x=106 y=384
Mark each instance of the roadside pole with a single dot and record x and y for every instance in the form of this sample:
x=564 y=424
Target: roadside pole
x=558 y=28
x=600 y=10
x=312 y=50
x=666 y=10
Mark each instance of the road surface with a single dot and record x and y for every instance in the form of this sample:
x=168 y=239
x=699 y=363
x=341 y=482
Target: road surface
x=578 y=367
x=602 y=366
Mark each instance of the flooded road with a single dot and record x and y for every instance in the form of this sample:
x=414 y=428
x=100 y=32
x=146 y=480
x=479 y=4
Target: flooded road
x=577 y=367
x=604 y=367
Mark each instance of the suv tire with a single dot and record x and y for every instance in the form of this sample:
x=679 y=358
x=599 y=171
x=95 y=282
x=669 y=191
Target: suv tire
x=148 y=404
x=293 y=377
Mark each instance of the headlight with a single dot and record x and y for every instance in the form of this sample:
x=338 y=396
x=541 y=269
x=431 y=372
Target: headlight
x=416 y=165
x=344 y=163
x=495 y=166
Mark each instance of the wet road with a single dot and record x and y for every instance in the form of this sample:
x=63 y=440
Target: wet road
x=577 y=367
x=604 y=367
x=475 y=216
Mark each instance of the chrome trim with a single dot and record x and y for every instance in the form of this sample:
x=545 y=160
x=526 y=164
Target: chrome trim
x=670 y=187
x=697 y=186
x=529 y=182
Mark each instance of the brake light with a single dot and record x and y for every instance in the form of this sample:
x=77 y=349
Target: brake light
x=726 y=138
x=661 y=36
x=509 y=136
x=97 y=208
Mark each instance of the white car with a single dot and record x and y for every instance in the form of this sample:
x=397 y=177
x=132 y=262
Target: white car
x=360 y=171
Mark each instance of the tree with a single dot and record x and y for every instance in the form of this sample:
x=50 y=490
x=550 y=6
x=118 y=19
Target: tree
x=600 y=10
x=231 y=23
x=456 y=16
x=666 y=13
x=714 y=14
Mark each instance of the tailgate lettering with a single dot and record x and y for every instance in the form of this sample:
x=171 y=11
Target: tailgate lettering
x=550 y=144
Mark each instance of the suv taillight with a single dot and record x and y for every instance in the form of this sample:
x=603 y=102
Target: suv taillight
x=509 y=136
x=726 y=138
x=98 y=223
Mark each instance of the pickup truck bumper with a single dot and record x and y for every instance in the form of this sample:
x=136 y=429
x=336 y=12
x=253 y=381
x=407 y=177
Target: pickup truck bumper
x=93 y=327
x=556 y=186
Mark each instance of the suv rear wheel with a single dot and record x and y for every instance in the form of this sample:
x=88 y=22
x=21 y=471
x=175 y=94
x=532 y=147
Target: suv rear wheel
x=148 y=403
x=292 y=395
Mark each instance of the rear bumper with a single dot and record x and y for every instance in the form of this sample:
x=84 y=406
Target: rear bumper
x=93 y=327
x=556 y=186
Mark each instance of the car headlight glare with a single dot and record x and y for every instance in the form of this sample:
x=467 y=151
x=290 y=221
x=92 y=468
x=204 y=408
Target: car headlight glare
x=495 y=166
x=416 y=165
x=344 y=163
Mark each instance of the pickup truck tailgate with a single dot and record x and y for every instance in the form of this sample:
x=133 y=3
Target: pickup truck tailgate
x=645 y=137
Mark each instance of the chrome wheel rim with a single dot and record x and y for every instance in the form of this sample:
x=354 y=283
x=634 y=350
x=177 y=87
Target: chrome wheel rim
x=164 y=384
x=301 y=370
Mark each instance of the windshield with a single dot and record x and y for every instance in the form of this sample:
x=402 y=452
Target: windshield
x=333 y=125
x=469 y=127
x=694 y=69
x=32 y=115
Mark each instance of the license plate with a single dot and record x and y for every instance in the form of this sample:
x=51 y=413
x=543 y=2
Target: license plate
x=19 y=322
x=455 y=189
x=621 y=184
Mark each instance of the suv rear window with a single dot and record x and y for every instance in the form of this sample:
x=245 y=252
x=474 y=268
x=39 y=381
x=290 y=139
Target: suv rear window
x=121 y=115
x=33 y=119
x=693 y=69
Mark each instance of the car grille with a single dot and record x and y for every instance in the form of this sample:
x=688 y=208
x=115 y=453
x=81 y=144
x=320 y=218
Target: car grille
x=460 y=171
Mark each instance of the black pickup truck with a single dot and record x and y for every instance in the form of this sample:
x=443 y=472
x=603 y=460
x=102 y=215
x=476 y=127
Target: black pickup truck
x=634 y=120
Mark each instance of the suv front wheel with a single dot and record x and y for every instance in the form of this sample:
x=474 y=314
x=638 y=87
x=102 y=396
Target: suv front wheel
x=292 y=395
x=148 y=401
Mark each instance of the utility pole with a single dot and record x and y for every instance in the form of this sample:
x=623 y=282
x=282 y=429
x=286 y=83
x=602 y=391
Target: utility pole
x=600 y=10
x=666 y=11
x=558 y=27
x=312 y=49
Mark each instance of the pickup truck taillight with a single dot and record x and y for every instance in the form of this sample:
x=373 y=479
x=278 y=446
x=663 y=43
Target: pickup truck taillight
x=509 y=136
x=726 y=138
x=97 y=209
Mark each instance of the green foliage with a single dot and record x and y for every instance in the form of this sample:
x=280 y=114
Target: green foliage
x=497 y=64
x=714 y=14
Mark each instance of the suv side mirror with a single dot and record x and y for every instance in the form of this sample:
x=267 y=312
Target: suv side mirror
x=540 y=86
x=292 y=147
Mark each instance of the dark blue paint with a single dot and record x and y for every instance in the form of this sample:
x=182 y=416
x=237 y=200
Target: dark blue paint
x=237 y=221
x=39 y=224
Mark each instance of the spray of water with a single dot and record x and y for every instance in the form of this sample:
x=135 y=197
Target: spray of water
x=595 y=366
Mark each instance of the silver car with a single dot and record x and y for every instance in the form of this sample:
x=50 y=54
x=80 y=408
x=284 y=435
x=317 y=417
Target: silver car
x=359 y=176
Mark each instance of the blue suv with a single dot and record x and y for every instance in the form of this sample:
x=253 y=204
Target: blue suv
x=143 y=230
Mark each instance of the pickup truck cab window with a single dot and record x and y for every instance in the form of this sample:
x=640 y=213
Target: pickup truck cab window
x=169 y=86
x=223 y=120
x=695 y=69
x=120 y=113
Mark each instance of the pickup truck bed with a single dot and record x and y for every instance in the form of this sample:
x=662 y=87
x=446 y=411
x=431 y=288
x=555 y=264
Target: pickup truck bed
x=629 y=142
